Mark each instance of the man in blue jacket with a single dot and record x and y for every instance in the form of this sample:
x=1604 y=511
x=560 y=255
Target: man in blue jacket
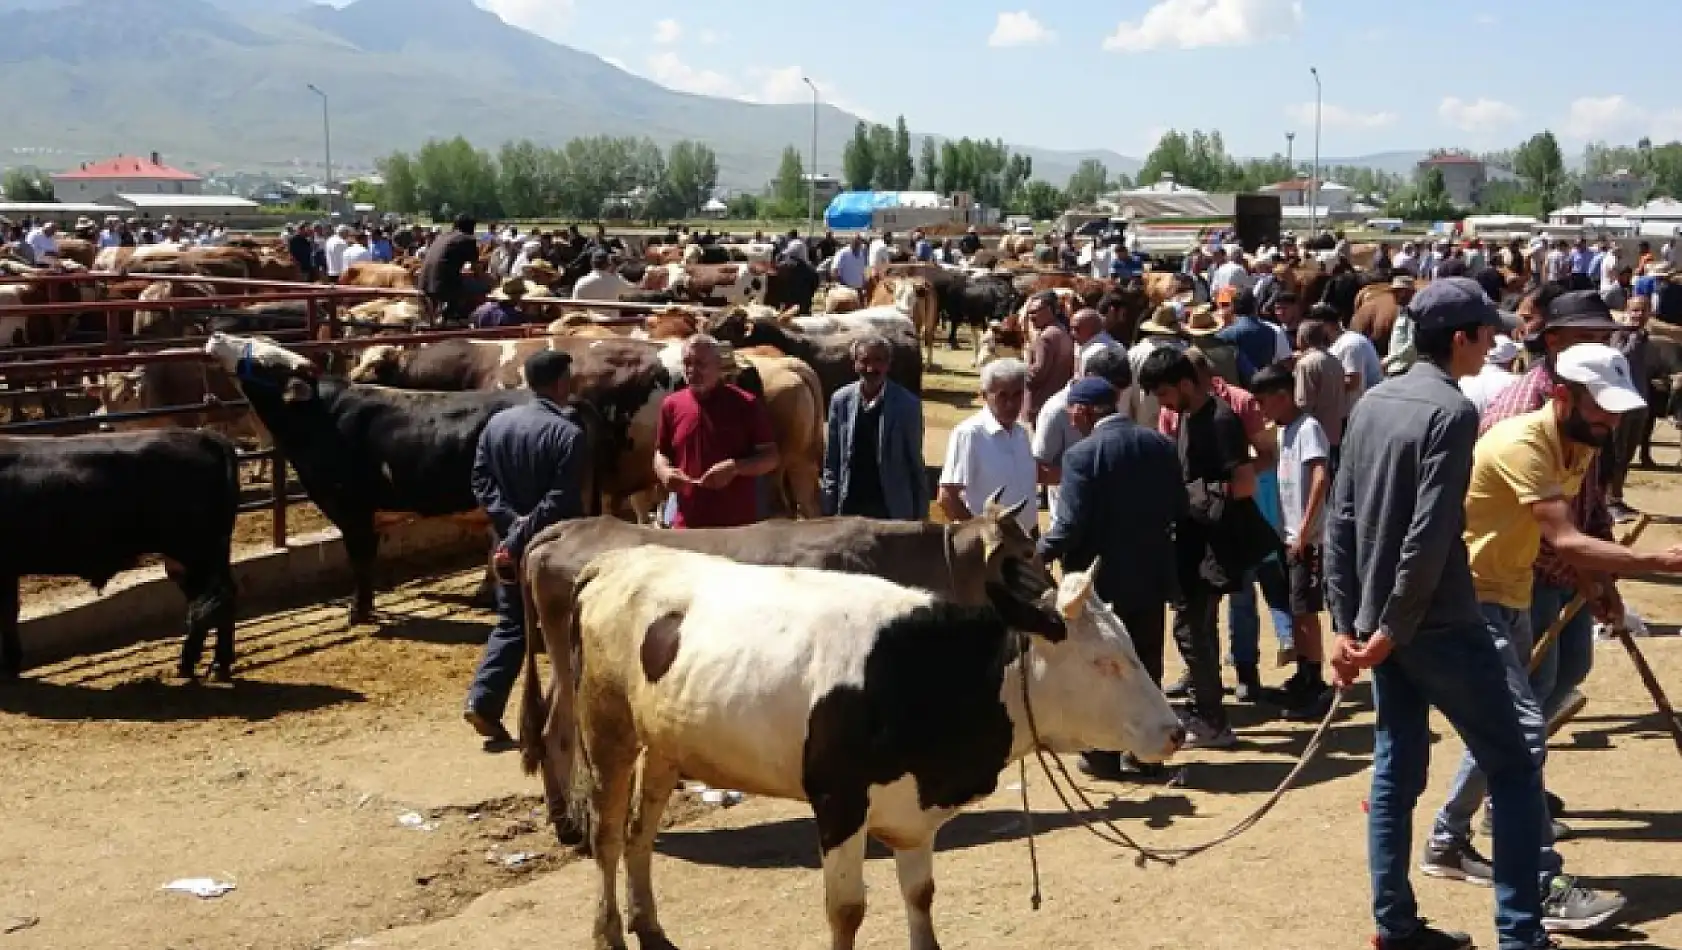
x=528 y=474
x=873 y=456
x=1122 y=493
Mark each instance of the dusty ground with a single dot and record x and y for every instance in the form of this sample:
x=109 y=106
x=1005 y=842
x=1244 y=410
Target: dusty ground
x=291 y=784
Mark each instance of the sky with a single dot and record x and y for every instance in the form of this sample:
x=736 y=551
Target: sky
x=1073 y=74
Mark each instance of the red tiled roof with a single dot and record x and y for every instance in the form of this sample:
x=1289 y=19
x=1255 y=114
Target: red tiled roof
x=127 y=167
x=1451 y=159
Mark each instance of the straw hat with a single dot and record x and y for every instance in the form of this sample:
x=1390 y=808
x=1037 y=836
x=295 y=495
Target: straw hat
x=542 y=272
x=514 y=288
x=1201 y=321
x=1166 y=320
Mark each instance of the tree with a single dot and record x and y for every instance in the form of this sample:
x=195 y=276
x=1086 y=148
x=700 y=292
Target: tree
x=903 y=166
x=1426 y=201
x=400 y=185
x=858 y=162
x=453 y=173
x=743 y=206
x=27 y=184
x=1041 y=200
x=519 y=184
x=692 y=173
x=1539 y=162
x=363 y=191
x=951 y=171
x=789 y=192
x=1089 y=181
x=928 y=167
x=886 y=172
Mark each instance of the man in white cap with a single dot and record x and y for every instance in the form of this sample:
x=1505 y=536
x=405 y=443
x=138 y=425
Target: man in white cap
x=1496 y=375
x=334 y=252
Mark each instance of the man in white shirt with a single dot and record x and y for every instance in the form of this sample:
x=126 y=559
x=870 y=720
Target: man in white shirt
x=43 y=243
x=1228 y=272
x=601 y=283
x=796 y=248
x=1673 y=250
x=1055 y=434
x=990 y=452
x=356 y=251
x=112 y=235
x=1496 y=375
x=851 y=264
x=882 y=251
x=334 y=251
x=1556 y=267
x=1407 y=260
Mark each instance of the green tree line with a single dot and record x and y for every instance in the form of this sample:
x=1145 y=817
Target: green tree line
x=585 y=178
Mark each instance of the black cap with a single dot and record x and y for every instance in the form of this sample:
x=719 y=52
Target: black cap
x=599 y=258
x=1580 y=310
x=1091 y=391
x=547 y=367
x=1492 y=281
x=1453 y=302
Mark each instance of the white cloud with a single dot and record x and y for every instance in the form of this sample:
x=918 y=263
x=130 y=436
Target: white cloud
x=549 y=19
x=668 y=69
x=667 y=31
x=1476 y=115
x=1337 y=117
x=708 y=37
x=1191 y=24
x=1019 y=29
x=1617 y=119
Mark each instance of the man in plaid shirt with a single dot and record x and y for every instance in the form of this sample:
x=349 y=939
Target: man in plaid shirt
x=1567 y=664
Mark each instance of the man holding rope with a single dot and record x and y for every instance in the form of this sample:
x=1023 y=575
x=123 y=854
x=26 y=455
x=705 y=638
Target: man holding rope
x=1527 y=471
x=1403 y=605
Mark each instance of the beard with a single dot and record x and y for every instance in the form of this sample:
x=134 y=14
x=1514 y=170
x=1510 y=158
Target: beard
x=1582 y=432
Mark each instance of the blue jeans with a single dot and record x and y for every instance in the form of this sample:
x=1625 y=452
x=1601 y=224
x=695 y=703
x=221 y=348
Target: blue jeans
x=1243 y=618
x=505 y=651
x=1564 y=667
x=1462 y=673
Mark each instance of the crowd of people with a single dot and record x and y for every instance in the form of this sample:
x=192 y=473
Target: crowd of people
x=35 y=240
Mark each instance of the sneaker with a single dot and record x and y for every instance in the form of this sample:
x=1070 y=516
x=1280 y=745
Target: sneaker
x=1249 y=684
x=492 y=730
x=1571 y=907
x=1456 y=863
x=1179 y=689
x=1568 y=710
x=1203 y=734
x=1425 y=938
x=1311 y=705
x=1561 y=830
x=1621 y=512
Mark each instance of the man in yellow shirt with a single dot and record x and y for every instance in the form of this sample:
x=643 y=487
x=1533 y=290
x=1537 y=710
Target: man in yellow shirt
x=1525 y=472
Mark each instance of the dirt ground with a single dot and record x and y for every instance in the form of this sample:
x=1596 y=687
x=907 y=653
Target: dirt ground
x=292 y=783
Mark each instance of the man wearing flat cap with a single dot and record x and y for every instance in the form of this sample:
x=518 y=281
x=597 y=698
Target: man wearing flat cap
x=1121 y=493
x=528 y=474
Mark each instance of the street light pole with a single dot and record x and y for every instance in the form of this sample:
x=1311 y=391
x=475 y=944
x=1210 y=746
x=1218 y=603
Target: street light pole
x=326 y=143
x=1290 y=141
x=812 y=173
x=1314 y=182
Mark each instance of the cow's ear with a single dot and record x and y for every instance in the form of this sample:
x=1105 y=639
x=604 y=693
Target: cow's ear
x=1037 y=617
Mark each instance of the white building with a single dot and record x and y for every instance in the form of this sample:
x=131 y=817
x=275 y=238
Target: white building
x=1463 y=176
x=1598 y=216
x=192 y=207
x=1298 y=192
x=124 y=175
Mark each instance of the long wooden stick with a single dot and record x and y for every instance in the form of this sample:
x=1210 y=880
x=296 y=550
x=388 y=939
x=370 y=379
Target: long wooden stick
x=1650 y=681
x=1577 y=602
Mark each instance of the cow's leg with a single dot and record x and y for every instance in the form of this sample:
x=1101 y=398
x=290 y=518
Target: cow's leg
x=222 y=615
x=11 y=649
x=659 y=776
x=915 y=867
x=362 y=544
x=1655 y=407
x=843 y=887
x=612 y=757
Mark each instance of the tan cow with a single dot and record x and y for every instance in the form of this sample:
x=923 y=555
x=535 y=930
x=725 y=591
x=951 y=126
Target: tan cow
x=167 y=385
x=794 y=401
x=841 y=299
x=921 y=306
x=372 y=274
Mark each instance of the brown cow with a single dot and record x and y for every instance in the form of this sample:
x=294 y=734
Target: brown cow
x=167 y=324
x=1376 y=308
x=924 y=307
x=383 y=276
x=794 y=400
x=165 y=385
x=956 y=562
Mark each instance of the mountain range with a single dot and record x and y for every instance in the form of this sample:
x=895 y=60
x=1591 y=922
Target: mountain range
x=225 y=82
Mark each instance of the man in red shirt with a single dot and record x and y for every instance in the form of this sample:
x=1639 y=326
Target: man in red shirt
x=713 y=441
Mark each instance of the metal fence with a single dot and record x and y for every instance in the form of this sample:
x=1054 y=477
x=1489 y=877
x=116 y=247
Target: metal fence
x=61 y=372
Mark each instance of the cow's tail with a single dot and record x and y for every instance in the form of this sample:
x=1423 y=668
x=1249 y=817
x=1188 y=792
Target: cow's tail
x=534 y=706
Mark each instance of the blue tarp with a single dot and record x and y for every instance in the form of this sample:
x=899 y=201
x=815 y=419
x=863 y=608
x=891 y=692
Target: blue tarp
x=851 y=210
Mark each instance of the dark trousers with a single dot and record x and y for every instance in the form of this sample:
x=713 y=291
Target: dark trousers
x=1615 y=459
x=505 y=651
x=1197 y=634
x=1146 y=627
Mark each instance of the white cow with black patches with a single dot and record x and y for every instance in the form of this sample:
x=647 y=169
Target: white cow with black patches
x=885 y=708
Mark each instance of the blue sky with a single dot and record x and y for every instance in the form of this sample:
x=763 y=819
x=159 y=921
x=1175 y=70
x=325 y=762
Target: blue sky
x=1088 y=74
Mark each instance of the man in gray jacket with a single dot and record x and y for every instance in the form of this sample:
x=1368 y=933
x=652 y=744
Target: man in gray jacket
x=873 y=456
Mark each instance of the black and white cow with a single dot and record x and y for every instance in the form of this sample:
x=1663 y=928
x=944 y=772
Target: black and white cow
x=885 y=707
x=91 y=506
x=362 y=450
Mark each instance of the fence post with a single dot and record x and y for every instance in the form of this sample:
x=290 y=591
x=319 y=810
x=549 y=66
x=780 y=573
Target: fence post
x=281 y=491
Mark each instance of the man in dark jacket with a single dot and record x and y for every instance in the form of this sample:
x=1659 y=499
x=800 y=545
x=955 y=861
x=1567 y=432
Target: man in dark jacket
x=1121 y=494
x=440 y=274
x=527 y=473
x=873 y=457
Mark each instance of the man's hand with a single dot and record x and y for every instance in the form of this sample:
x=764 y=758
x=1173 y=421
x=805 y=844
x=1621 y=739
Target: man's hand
x=1295 y=550
x=1605 y=603
x=1350 y=657
x=1669 y=560
x=719 y=475
x=675 y=479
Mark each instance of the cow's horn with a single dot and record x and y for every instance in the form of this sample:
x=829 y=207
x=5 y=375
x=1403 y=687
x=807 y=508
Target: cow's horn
x=1016 y=509
x=996 y=497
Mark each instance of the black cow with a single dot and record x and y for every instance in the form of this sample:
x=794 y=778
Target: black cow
x=793 y=284
x=829 y=354
x=364 y=449
x=91 y=506
x=976 y=302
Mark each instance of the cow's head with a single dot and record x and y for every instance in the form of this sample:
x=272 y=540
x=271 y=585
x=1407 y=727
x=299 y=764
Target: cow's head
x=378 y=365
x=116 y=392
x=258 y=362
x=1088 y=688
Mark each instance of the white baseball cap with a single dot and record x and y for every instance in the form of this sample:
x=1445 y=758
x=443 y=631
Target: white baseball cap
x=1503 y=352
x=1604 y=372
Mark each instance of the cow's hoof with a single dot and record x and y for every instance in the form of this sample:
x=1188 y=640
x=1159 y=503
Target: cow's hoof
x=222 y=674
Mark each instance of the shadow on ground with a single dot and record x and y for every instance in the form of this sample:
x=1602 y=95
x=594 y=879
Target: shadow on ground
x=158 y=701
